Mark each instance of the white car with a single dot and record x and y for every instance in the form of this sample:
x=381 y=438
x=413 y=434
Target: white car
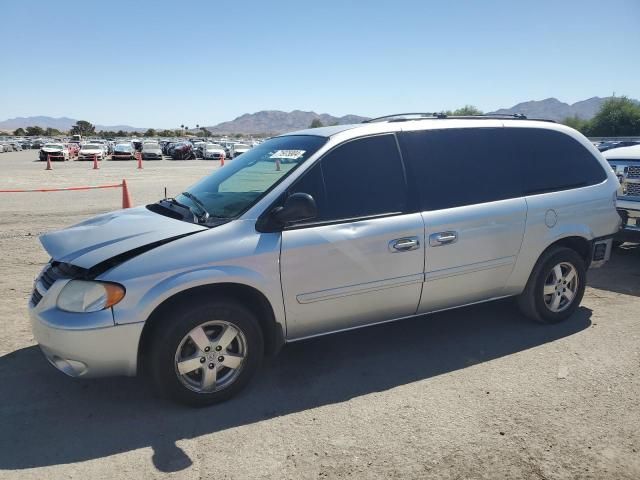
x=89 y=151
x=238 y=149
x=625 y=163
x=55 y=151
x=213 y=151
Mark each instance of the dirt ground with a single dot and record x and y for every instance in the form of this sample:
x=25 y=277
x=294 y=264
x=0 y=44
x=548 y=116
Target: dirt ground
x=478 y=392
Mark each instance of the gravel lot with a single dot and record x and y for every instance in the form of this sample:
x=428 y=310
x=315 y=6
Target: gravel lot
x=478 y=392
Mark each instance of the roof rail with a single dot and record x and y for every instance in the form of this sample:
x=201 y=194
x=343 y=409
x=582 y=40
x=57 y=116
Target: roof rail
x=404 y=117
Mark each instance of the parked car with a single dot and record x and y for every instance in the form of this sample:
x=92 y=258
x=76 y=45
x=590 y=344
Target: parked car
x=123 y=151
x=151 y=151
x=625 y=162
x=192 y=291
x=183 y=151
x=74 y=149
x=89 y=151
x=238 y=149
x=213 y=151
x=611 y=144
x=198 y=149
x=55 y=151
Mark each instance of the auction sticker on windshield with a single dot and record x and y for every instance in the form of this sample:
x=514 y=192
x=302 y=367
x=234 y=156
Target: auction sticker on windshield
x=288 y=154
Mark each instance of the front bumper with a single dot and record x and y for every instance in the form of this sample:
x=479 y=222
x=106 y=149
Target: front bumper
x=629 y=211
x=84 y=344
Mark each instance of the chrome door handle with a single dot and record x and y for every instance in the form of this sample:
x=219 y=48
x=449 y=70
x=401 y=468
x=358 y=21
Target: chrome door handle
x=443 y=238
x=404 y=244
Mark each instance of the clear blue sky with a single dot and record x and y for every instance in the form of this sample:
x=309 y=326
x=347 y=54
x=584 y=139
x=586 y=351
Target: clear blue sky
x=162 y=63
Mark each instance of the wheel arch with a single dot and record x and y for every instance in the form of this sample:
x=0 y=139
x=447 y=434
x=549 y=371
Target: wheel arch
x=579 y=244
x=248 y=296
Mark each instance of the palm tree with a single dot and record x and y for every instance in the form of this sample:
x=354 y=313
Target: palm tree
x=182 y=128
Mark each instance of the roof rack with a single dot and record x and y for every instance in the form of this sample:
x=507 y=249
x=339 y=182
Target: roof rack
x=405 y=117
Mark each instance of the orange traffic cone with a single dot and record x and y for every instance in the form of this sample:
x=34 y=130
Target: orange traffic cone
x=126 y=198
x=49 y=167
x=222 y=161
x=139 y=155
x=95 y=163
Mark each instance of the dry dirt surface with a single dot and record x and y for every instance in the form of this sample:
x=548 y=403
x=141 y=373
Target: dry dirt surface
x=478 y=392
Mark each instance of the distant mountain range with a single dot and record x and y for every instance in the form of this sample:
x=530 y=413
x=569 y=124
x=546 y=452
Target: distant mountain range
x=61 y=123
x=276 y=121
x=554 y=109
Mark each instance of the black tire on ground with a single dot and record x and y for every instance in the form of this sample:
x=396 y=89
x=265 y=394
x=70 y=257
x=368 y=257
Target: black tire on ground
x=175 y=324
x=531 y=300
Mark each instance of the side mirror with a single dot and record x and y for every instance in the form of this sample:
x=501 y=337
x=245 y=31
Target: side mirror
x=297 y=207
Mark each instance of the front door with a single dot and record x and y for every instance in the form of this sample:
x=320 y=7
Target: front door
x=361 y=261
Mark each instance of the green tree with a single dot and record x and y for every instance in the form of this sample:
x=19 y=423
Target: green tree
x=19 y=132
x=52 y=132
x=467 y=110
x=34 y=131
x=121 y=133
x=82 y=127
x=316 y=123
x=150 y=133
x=617 y=117
x=580 y=124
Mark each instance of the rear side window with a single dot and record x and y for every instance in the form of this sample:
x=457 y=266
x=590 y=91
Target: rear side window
x=552 y=160
x=457 y=167
x=360 y=178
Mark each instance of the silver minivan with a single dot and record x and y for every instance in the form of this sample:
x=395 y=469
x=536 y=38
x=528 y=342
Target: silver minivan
x=325 y=230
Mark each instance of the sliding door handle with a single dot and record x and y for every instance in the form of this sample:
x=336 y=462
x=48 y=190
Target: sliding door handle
x=443 y=238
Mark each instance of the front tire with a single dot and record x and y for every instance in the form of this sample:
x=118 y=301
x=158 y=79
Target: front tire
x=204 y=354
x=556 y=286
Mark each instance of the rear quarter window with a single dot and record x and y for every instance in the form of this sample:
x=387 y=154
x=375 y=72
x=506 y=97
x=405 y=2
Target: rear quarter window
x=551 y=160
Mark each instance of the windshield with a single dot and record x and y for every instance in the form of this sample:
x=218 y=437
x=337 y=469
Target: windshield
x=231 y=190
x=91 y=146
x=123 y=147
x=150 y=146
x=240 y=145
x=53 y=146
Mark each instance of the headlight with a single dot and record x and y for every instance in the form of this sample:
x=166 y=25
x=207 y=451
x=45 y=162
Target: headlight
x=86 y=296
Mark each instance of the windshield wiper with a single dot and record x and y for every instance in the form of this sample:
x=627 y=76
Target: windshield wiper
x=196 y=200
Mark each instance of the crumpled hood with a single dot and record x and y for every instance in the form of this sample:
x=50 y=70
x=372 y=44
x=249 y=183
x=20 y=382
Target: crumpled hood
x=105 y=236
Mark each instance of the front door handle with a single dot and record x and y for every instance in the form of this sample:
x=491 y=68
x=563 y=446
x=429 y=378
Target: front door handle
x=404 y=244
x=443 y=238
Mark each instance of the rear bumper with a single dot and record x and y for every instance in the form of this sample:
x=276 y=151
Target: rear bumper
x=601 y=251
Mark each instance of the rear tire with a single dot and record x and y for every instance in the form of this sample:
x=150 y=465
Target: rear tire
x=172 y=344
x=560 y=273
